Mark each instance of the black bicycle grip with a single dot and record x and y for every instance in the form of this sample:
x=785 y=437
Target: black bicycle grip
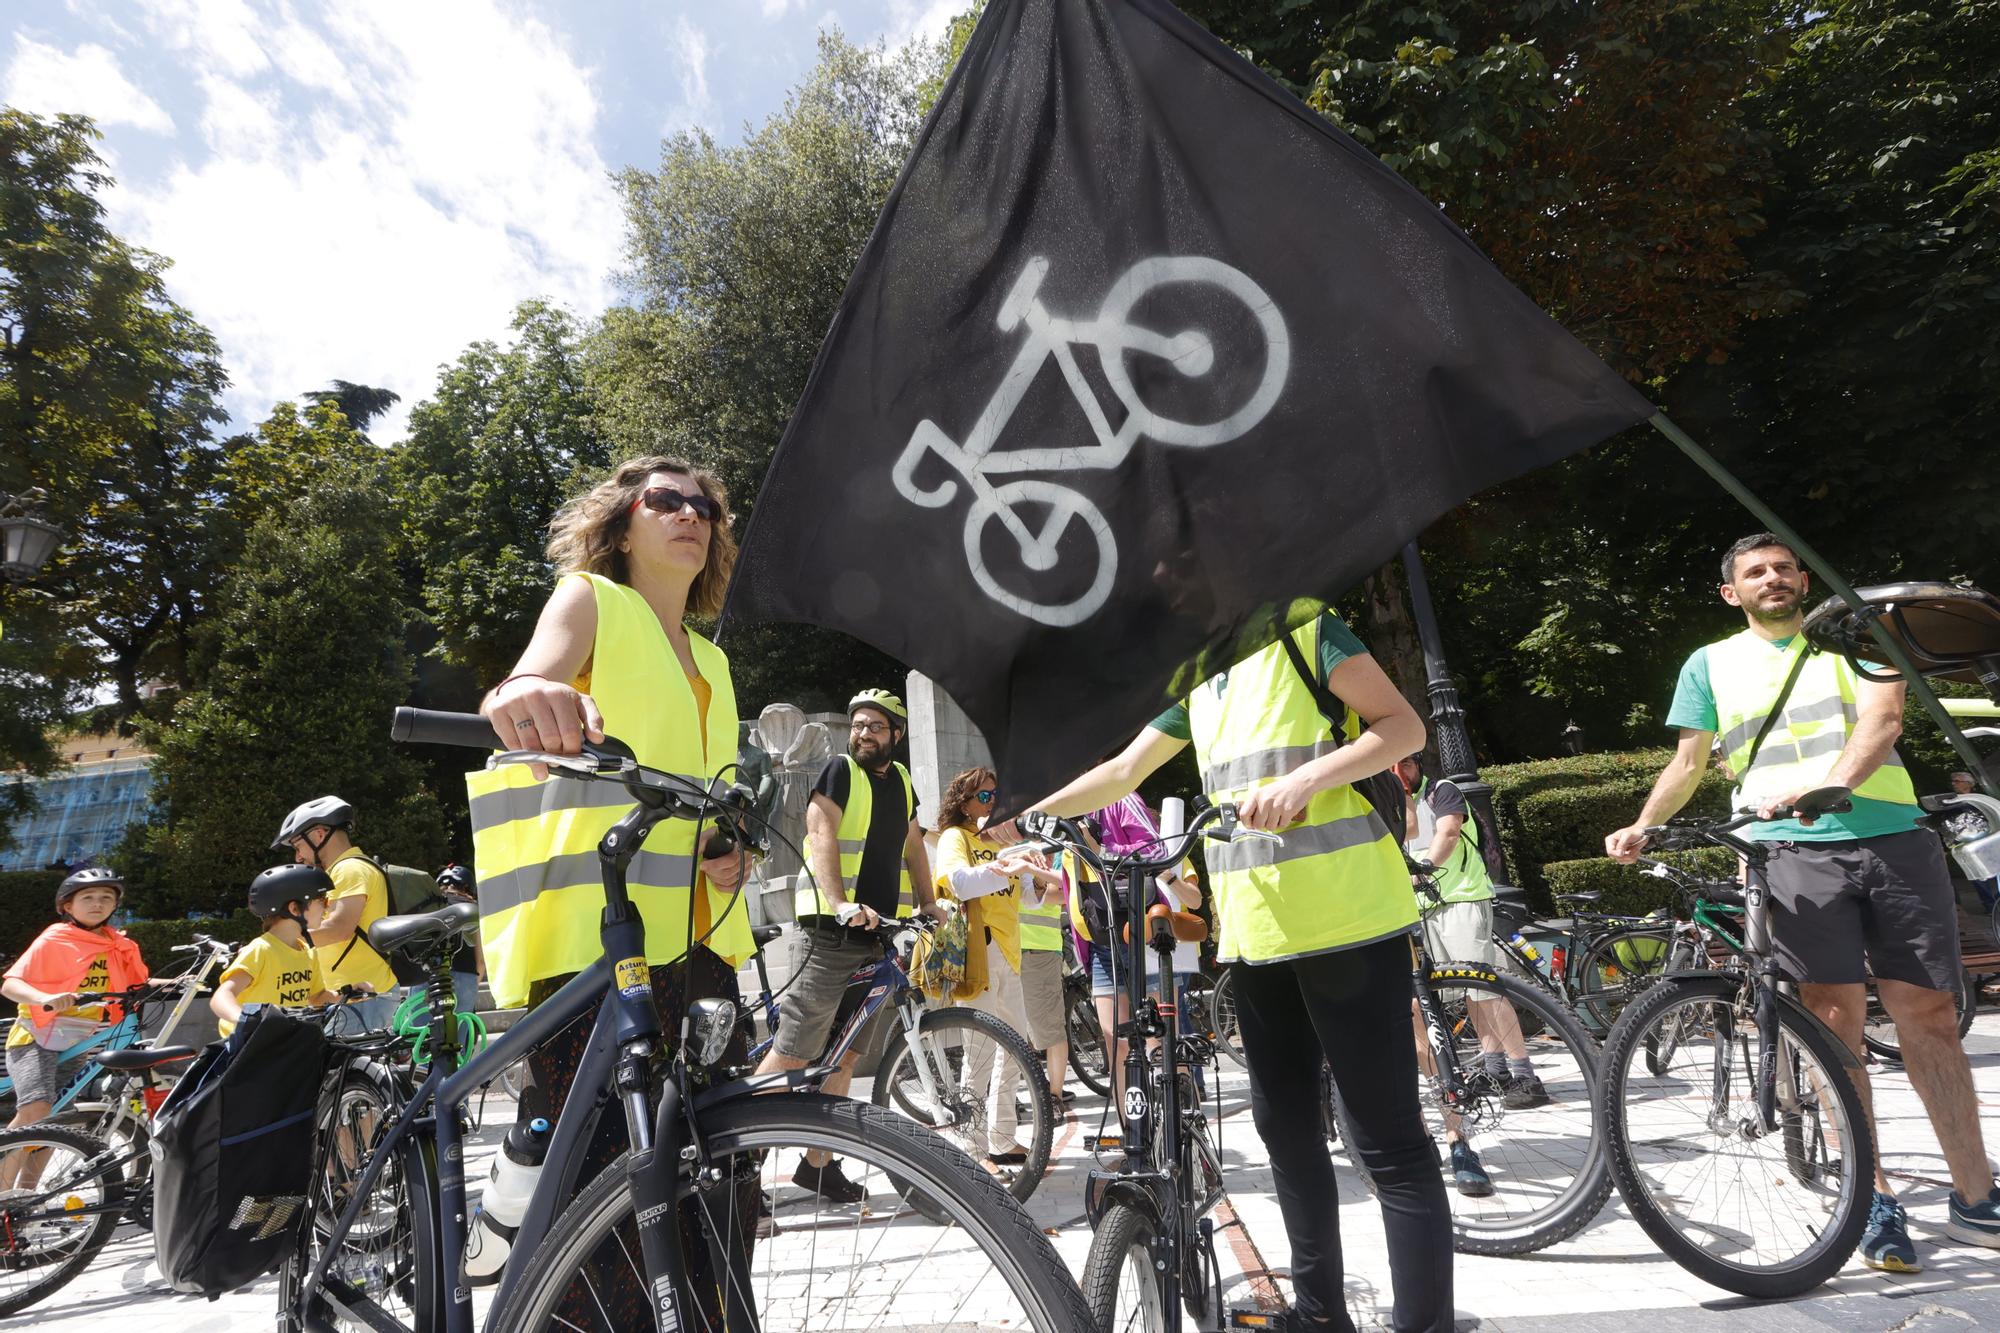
x=425 y=726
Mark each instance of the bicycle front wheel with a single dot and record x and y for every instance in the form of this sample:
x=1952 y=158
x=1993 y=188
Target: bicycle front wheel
x=961 y=1255
x=1222 y=1019
x=1120 y=1284
x=1087 y=1055
x=976 y=1081
x=65 y=1197
x=1760 y=1213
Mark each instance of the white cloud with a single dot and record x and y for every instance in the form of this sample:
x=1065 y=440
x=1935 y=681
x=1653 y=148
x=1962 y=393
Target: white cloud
x=690 y=50
x=775 y=9
x=87 y=80
x=910 y=20
x=375 y=190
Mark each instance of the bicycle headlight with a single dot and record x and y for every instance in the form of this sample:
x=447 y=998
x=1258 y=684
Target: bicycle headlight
x=713 y=1023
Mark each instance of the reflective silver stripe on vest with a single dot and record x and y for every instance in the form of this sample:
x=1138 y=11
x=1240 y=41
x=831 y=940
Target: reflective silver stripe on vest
x=1312 y=840
x=1233 y=773
x=853 y=846
x=511 y=803
x=511 y=888
x=1744 y=731
x=1789 y=752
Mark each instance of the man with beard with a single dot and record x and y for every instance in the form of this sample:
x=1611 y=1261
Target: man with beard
x=1869 y=881
x=865 y=854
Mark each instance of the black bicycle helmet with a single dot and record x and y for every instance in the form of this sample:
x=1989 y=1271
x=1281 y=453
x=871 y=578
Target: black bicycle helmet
x=456 y=879
x=280 y=885
x=321 y=812
x=93 y=877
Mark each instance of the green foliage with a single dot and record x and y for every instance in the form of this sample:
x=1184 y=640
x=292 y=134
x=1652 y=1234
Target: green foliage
x=1558 y=810
x=1626 y=889
x=156 y=939
x=306 y=661
x=27 y=907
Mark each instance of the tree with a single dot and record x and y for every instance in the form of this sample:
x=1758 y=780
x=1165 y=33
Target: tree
x=359 y=403
x=738 y=258
x=306 y=659
x=505 y=439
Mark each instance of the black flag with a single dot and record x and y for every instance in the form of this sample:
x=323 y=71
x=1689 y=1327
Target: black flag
x=1141 y=354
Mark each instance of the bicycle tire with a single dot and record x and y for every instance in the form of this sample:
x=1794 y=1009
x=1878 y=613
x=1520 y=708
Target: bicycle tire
x=1878 y=1030
x=1222 y=1019
x=1848 y=1212
x=1476 y=1225
x=124 y=1134
x=59 y=1266
x=892 y=1092
x=1087 y=1056
x=1121 y=1263
x=757 y=1128
x=406 y=1258
x=1607 y=983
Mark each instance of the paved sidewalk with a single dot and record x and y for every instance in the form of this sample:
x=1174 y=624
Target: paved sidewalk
x=1609 y=1276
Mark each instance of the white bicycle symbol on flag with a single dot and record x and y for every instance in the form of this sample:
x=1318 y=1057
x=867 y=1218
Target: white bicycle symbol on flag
x=1191 y=352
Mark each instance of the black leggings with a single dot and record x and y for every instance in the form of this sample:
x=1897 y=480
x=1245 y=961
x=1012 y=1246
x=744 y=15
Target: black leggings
x=1357 y=1002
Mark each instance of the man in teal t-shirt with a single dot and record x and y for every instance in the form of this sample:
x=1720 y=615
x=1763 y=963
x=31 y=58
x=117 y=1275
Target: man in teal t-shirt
x=1868 y=882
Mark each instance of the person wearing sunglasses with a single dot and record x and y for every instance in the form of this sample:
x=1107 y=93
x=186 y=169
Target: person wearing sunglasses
x=867 y=863
x=612 y=653
x=991 y=887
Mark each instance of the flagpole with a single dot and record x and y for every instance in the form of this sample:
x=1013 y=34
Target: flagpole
x=1454 y=741
x=1841 y=589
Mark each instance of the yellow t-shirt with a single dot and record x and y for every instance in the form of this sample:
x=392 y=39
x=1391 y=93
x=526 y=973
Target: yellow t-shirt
x=963 y=849
x=96 y=977
x=287 y=975
x=355 y=875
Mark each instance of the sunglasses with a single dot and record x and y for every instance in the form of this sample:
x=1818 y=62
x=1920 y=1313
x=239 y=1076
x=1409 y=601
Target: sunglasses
x=667 y=500
x=984 y=797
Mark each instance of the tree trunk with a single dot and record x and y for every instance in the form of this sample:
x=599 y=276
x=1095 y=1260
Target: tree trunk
x=1391 y=634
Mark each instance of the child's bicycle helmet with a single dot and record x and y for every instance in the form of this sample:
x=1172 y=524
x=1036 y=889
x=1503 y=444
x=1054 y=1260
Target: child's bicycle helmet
x=274 y=888
x=95 y=877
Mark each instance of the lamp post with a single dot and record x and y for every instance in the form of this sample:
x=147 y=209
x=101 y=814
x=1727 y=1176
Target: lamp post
x=1573 y=738
x=26 y=542
x=1454 y=742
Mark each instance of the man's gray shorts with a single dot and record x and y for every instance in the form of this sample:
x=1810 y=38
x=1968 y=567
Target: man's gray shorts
x=1888 y=896
x=823 y=960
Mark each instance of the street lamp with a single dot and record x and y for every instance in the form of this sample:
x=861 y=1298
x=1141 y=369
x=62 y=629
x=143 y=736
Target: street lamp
x=26 y=542
x=1573 y=738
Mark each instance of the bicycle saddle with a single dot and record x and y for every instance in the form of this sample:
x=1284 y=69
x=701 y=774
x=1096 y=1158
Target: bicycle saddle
x=765 y=934
x=1944 y=628
x=1184 y=926
x=144 y=1057
x=391 y=934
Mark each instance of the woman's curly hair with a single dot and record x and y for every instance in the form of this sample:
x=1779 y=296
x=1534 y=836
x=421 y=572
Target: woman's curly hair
x=952 y=806
x=584 y=534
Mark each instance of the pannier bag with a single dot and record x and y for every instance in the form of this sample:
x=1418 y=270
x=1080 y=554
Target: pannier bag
x=233 y=1155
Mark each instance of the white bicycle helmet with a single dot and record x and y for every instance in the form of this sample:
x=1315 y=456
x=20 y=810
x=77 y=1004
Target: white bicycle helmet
x=323 y=812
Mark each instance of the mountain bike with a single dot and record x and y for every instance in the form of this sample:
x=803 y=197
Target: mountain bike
x=930 y=1068
x=1153 y=1247
x=1546 y=1161
x=82 y=1064
x=1605 y=961
x=698 y=1224
x=1738 y=1139
x=72 y=1183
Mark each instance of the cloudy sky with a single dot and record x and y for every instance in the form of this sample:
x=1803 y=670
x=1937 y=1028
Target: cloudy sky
x=359 y=188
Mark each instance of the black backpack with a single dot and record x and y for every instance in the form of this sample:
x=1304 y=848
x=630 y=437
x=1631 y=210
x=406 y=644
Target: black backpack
x=233 y=1154
x=1383 y=791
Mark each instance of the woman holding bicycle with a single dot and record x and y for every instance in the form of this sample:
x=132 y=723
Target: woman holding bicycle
x=639 y=553
x=1316 y=935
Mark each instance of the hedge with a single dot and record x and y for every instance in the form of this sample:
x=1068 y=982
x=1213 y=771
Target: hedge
x=1558 y=810
x=1628 y=890
x=157 y=938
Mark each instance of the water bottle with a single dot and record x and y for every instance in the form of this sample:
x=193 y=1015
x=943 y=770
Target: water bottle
x=509 y=1186
x=1528 y=951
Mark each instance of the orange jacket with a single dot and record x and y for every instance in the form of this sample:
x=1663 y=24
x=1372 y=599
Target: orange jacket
x=61 y=956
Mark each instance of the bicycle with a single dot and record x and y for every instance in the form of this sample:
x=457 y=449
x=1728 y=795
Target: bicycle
x=1112 y=332
x=1606 y=960
x=1739 y=1142
x=927 y=1070
x=674 y=1229
x=72 y=1186
x=1546 y=1161
x=83 y=1063
x=1088 y=1058
x=1153 y=1247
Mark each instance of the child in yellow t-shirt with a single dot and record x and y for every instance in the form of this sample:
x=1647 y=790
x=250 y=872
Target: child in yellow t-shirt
x=278 y=967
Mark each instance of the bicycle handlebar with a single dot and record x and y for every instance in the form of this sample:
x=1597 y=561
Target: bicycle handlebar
x=427 y=726
x=1064 y=834
x=1678 y=833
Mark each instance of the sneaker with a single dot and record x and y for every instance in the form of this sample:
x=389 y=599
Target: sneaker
x=1524 y=1093
x=1885 y=1241
x=1467 y=1173
x=827 y=1182
x=1975 y=1223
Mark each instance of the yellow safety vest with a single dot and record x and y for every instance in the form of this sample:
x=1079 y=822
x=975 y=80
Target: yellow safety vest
x=852 y=835
x=1338 y=881
x=1041 y=927
x=535 y=843
x=1745 y=675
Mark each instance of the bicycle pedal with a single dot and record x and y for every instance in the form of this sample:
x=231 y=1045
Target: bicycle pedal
x=1105 y=1142
x=1254 y=1317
